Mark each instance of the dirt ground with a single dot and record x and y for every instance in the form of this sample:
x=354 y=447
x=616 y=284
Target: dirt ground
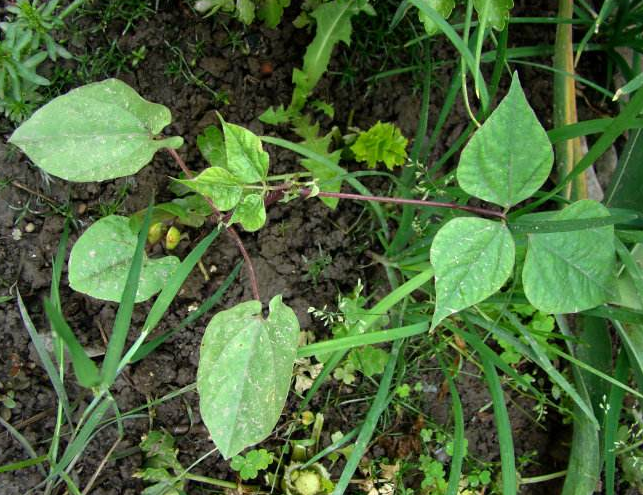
x=295 y=232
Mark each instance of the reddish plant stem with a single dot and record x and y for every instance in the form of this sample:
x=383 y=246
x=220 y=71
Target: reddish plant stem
x=404 y=201
x=220 y=217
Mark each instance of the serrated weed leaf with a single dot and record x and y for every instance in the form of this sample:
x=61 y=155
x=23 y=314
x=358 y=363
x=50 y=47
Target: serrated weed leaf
x=567 y=272
x=96 y=132
x=510 y=157
x=472 y=259
x=100 y=261
x=244 y=373
x=216 y=183
x=245 y=158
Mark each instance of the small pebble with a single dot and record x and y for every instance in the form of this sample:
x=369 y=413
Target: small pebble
x=82 y=208
x=266 y=69
x=30 y=227
x=16 y=234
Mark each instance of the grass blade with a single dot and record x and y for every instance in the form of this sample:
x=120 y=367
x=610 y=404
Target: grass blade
x=125 y=308
x=24 y=442
x=370 y=423
x=615 y=404
x=16 y=466
x=586 y=128
x=503 y=427
x=625 y=187
x=85 y=369
x=46 y=361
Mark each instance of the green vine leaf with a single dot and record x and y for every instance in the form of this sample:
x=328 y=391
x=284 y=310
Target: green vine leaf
x=216 y=183
x=567 y=272
x=250 y=213
x=100 y=261
x=494 y=12
x=245 y=157
x=384 y=143
x=443 y=7
x=472 y=259
x=96 y=132
x=244 y=372
x=510 y=157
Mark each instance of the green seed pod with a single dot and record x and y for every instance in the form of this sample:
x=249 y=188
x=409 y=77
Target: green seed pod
x=172 y=238
x=155 y=233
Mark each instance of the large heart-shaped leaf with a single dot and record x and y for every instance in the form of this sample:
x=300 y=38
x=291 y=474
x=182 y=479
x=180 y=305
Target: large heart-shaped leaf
x=244 y=372
x=443 y=7
x=96 y=132
x=567 y=272
x=472 y=259
x=510 y=156
x=100 y=261
x=212 y=146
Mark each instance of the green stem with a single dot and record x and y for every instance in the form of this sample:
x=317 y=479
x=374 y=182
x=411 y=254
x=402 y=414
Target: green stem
x=542 y=478
x=217 y=482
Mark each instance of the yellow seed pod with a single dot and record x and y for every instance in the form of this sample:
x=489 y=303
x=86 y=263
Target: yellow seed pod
x=172 y=238
x=155 y=233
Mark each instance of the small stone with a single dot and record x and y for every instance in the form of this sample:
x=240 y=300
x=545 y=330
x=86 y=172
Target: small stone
x=82 y=208
x=30 y=227
x=16 y=234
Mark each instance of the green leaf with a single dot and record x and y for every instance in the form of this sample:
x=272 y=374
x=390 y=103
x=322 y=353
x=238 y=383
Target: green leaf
x=244 y=372
x=100 y=260
x=270 y=12
x=493 y=13
x=216 y=183
x=246 y=11
x=250 y=465
x=275 y=116
x=472 y=259
x=333 y=26
x=96 y=132
x=567 y=272
x=250 y=213
x=245 y=157
x=509 y=157
x=384 y=143
x=369 y=360
x=212 y=146
x=443 y=7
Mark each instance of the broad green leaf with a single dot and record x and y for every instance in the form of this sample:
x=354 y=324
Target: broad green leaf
x=217 y=184
x=250 y=213
x=495 y=13
x=509 y=157
x=568 y=272
x=244 y=372
x=96 y=132
x=270 y=12
x=245 y=157
x=212 y=146
x=472 y=259
x=100 y=260
x=443 y=7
